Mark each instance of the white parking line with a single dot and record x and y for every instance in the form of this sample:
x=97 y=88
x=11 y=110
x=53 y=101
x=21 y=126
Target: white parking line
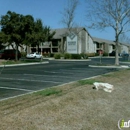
x=51 y=87
x=30 y=80
x=48 y=75
x=72 y=70
x=80 y=68
x=17 y=89
x=58 y=72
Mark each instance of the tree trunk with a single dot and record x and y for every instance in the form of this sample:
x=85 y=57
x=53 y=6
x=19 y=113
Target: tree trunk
x=117 y=48
x=62 y=45
x=117 y=43
x=116 y=54
x=16 y=54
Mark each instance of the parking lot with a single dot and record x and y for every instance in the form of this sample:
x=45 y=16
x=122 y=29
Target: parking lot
x=20 y=80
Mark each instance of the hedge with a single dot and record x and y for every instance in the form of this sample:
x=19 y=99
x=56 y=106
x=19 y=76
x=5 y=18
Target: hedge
x=75 y=56
x=57 y=55
x=67 y=56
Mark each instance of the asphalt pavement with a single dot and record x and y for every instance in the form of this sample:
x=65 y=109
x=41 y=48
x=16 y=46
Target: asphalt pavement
x=18 y=80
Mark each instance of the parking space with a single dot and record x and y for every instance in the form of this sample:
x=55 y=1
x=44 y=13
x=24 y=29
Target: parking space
x=24 y=79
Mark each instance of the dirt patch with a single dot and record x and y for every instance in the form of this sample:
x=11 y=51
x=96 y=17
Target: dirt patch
x=78 y=107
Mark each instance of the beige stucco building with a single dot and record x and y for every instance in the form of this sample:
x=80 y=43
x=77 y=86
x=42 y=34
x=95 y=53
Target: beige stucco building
x=103 y=44
x=75 y=41
x=108 y=46
x=124 y=48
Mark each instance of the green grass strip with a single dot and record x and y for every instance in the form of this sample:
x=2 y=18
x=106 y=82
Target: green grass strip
x=48 y=92
x=88 y=81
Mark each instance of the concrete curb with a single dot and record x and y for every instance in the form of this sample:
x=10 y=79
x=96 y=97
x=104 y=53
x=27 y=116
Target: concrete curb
x=70 y=59
x=125 y=63
x=23 y=64
x=110 y=57
x=122 y=66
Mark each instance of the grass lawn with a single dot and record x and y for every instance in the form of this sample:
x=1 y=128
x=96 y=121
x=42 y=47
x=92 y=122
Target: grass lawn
x=74 y=106
x=9 y=62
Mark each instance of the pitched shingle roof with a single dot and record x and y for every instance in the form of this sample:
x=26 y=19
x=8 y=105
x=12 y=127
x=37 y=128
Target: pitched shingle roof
x=99 y=40
x=64 y=32
x=125 y=44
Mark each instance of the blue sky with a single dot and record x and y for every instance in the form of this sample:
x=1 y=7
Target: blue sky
x=50 y=13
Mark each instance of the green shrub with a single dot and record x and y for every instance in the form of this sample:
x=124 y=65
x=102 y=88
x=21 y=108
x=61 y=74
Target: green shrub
x=84 y=56
x=51 y=54
x=57 y=56
x=90 y=54
x=46 y=54
x=23 y=54
x=105 y=54
x=67 y=56
x=96 y=54
x=75 y=56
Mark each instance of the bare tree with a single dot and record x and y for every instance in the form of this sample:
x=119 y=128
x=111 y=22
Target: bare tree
x=124 y=39
x=68 y=13
x=109 y=13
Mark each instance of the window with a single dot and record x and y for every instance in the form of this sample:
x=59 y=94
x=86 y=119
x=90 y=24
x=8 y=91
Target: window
x=98 y=45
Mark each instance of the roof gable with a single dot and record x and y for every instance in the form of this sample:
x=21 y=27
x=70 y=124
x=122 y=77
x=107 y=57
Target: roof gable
x=63 y=32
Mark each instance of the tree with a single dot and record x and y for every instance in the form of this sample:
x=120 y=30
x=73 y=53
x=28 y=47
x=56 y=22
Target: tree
x=11 y=27
x=35 y=36
x=67 y=19
x=124 y=39
x=109 y=13
x=2 y=39
x=68 y=13
x=23 y=30
x=48 y=34
x=40 y=33
x=27 y=29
